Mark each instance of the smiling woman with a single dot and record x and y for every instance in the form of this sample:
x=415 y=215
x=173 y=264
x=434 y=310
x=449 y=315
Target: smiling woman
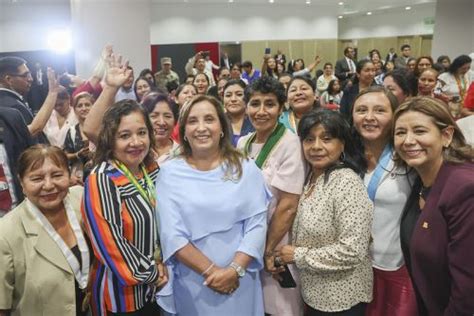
x=277 y=152
x=213 y=248
x=56 y=259
x=438 y=225
x=331 y=231
x=389 y=187
x=302 y=97
x=119 y=212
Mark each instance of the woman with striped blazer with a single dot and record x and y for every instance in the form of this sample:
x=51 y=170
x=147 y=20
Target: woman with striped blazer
x=118 y=211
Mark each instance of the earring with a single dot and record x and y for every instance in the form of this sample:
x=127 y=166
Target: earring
x=222 y=134
x=185 y=139
x=342 y=157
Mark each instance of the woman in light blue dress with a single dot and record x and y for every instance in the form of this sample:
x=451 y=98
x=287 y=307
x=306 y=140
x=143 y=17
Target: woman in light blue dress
x=211 y=206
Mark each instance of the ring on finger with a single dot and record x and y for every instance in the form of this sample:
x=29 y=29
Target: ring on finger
x=278 y=260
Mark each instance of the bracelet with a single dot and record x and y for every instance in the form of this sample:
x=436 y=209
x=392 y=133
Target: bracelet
x=208 y=269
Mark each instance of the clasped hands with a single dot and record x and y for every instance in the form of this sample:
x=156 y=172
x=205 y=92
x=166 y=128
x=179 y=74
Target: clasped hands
x=280 y=256
x=222 y=280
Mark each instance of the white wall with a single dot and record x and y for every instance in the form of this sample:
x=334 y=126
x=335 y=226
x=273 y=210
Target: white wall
x=25 y=27
x=388 y=24
x=454 y=28
x=188 y=23
x=122 y=23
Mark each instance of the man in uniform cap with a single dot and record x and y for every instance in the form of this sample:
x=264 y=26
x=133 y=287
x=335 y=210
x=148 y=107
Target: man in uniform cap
x=166 y=75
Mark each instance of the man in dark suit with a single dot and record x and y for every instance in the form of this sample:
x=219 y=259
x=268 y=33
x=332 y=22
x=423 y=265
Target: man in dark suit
x=14 y=139
x=391 y=56
x=225 y=61
x=401 y=62
x=15 y=83
x=39 y=87
x=346 y=68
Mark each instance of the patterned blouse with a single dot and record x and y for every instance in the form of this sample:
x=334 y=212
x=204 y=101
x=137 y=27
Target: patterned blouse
x=331 y=233
x=122 y=228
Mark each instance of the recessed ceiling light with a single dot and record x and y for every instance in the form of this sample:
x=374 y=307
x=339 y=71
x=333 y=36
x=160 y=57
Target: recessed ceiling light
x=271 y=1
x=341 y=3
x=340 y=17
x=308 y=1
x=369 y=13
x=407 y=8
x=230 y=1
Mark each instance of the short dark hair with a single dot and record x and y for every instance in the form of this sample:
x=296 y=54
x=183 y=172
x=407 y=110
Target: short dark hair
x=306 y=79
x=247 y=64
x=233 y=82
x=335 y=125
x=205 y=76
x=223 y=68
x=151 y=99
x=458 y=62
x=405 y=46
x=327 y=64
x=346 y=50
x=405 y=79
x=442 y=58
x=266 y=85
x=10 y=64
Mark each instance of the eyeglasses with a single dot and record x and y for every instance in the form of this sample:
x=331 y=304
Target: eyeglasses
x=25 y=75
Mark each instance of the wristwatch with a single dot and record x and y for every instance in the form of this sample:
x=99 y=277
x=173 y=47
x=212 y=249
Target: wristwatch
x=240 y=271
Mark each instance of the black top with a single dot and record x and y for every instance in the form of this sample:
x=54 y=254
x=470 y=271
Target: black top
x=410 y=215
x=80 y=294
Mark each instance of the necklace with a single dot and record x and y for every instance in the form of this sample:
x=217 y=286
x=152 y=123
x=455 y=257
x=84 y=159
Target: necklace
x=460 y=81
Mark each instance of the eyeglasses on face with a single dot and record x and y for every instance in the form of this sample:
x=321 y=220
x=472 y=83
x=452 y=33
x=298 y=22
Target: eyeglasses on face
x=23 y=75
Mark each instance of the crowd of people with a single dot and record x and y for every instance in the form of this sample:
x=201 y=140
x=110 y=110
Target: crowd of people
x=280 y=191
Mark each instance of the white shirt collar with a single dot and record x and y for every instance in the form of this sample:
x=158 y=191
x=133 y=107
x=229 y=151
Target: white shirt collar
x=14 y=92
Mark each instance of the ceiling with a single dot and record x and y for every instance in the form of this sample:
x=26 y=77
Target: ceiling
x=348 y=7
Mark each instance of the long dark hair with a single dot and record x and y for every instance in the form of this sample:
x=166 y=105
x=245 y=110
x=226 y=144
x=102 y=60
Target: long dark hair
x=335 y=125
x=358 y=142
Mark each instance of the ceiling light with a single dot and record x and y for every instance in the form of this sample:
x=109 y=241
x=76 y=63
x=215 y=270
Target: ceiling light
x=369 y=13
x=230 y=1
x=407 y=8
x=308 y=1
x=341 y=3
x=271 y=1
x=340 y=17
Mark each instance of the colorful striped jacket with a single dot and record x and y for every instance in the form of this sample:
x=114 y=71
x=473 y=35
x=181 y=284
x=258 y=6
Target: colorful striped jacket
x=122 y=229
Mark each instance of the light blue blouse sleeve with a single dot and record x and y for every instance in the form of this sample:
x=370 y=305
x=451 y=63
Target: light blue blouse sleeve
x=253 y=243
x=173 y=233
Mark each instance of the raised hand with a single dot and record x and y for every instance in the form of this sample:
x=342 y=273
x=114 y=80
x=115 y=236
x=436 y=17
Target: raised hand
x=53 y=83
x=107 y=51
x=117 y=72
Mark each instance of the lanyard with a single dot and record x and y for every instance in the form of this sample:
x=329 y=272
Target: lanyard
x=379 y=170
x=80 y=273
x=461 y=82
x=149 y=193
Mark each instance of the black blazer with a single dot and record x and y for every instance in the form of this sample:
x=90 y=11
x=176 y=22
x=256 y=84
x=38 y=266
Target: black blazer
x=15 y=136
x=342 y=68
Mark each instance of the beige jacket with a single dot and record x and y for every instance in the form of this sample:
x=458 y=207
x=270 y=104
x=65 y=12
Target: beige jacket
x=35 y=278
